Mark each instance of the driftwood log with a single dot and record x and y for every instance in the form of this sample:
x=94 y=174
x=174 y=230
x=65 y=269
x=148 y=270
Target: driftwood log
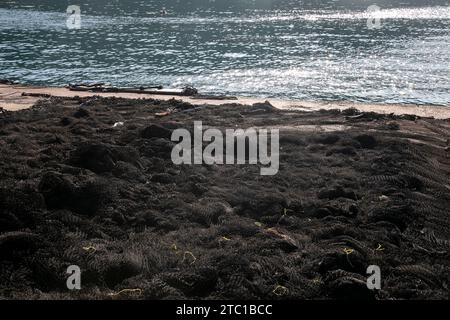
x=158 y=90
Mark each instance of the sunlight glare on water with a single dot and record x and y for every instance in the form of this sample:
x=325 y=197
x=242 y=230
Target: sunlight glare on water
x=261 y=48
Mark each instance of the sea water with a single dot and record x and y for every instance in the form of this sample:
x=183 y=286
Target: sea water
x=310 y=50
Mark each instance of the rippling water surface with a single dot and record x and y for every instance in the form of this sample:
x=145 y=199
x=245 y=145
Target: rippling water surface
x=313 y=50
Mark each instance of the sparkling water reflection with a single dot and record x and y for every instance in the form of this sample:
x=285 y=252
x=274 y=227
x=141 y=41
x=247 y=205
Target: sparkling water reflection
x=253 y=48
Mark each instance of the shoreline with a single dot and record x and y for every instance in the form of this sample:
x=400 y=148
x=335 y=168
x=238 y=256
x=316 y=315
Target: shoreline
x=11 y=99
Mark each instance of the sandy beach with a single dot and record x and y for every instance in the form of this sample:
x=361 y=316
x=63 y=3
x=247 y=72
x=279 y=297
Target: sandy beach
x=11 y=98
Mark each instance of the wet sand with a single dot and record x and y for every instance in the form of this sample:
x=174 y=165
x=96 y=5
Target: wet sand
x=354 y=189
x=11 y=99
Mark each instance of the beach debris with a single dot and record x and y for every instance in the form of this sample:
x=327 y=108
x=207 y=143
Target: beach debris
x=189 y=254
x=383 y=198
x=189 y=91
x=261 y=107
x=213 y=97
x=282 y=216
x=348 y=251
x=90 y=102
x=280 y=290
x=167 y=112
x=286 y=242
x=8 y=81
x=224 y=239
x=160 y=90
x=409 y=117
x=265 y=106
x=103 y=87
x=351 y=112
x=88 y=85
x=156 y=90
x=118 y=124
x=163 y=114
x=380 y=247
x=136 y=291
x=37 y=95
x=89 y=249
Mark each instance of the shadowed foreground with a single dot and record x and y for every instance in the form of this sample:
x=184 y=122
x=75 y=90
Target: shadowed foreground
x=354 y=189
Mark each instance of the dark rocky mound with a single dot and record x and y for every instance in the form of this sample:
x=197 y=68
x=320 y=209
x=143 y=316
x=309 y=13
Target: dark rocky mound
x=77 y=190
